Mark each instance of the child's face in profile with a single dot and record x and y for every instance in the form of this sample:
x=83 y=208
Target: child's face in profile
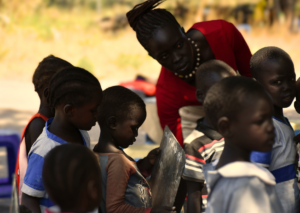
x=279 y=81
x=253 y=126
x=127 y=130
x=85 y=116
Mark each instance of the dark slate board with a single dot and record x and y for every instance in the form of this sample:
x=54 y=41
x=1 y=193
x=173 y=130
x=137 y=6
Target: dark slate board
x=167 y=171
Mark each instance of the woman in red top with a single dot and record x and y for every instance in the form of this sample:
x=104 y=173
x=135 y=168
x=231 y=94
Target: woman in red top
x=180 y=53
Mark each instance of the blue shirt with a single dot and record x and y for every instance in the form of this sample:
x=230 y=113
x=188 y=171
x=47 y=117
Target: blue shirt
x=33 y=183
x=281 y=163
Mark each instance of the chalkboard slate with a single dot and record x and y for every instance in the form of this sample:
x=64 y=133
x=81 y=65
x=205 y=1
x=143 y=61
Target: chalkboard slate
x=167 y=171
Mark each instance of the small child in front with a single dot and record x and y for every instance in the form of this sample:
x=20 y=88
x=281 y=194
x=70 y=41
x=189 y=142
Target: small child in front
x=46 y=69
x=74 y=95
x=125 y=189
x=204 y=145
x=71 y=176
x=274 y=70
x=241 y=110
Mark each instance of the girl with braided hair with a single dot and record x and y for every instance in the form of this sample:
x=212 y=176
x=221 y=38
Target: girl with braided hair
x=180 y=53
x=74 y=96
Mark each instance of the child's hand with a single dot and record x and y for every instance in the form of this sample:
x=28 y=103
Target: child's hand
x=163 y=209
x=297 y=102
x=152 y=155
x=297 y=106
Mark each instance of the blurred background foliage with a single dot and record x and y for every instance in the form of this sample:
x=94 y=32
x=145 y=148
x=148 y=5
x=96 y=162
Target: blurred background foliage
x=95 y=34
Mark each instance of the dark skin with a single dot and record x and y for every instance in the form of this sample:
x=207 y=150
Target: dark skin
x=36 y=126
x=278 y=79
x=172 y=49
x=122 y=133
x=194 y=189
x=297 y=102
x=252 y=123
x=67 y=120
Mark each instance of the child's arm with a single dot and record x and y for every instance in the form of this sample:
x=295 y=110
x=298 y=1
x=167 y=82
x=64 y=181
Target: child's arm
x=145 y=165
x=194 y=189
x=32 y=203
x=118 y=174
x=33 y=131
x=297 y=102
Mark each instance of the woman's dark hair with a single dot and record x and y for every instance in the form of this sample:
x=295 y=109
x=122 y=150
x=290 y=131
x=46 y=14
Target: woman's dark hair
x=145 y=20
x=46 y=69
x=74 y=86
x=67 y=170
x=117 y=101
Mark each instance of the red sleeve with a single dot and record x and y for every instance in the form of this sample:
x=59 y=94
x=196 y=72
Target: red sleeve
x=118 y=173
x=240 y=48
x=168 y=111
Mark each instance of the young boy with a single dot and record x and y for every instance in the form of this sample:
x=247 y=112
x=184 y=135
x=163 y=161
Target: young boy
x=75 y=188
x=241 y=111
x=274 y=70
x=204 y=145
x=75 y=95
x=47 y=68
x=125 y=189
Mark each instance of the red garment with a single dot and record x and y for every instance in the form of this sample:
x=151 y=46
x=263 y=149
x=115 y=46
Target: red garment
x=172 y=93
x=37 y=115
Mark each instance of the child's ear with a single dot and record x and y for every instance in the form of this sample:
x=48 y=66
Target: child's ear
x=200 y=95
x=112 y=122
x=69 y=110
x=46 y=92
x=224 y=127
x=92 y=190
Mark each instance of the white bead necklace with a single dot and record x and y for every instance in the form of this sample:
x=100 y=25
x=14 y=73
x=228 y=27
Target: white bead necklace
x=197 y=63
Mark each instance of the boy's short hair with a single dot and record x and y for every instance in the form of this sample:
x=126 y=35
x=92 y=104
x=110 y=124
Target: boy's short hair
x=117 y=101
x=226 y=98
x=73 y=85
x=67 y=170
x=274 y=54
x=206 y=71
x=46 y=69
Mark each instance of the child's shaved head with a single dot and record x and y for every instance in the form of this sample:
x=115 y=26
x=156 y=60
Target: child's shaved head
x=208 y=74
x=228 y=97
x=271 y=54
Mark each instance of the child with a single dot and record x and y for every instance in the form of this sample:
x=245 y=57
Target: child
x=74 y=188
x=274 y=70
x=240 y=110
x=124 y=189
x=204 y=145
x=48 y=67
x=75 y=95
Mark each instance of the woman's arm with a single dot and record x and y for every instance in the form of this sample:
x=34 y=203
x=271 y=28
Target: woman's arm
x=240 y=48
x=168 y=111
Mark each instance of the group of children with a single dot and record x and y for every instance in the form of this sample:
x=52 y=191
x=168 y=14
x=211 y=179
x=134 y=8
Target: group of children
x=240 y=158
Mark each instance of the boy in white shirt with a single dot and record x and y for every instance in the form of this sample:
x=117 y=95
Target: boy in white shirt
x=241 y=110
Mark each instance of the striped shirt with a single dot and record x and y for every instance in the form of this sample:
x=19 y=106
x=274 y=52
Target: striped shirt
x=281 y=163
x=33 y=183
x=202 y=147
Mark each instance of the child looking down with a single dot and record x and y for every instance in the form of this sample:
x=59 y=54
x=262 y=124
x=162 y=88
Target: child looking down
x=274 y=70
x=72 y=178
x=125 y=189
x=74 y=95
x=241 y=110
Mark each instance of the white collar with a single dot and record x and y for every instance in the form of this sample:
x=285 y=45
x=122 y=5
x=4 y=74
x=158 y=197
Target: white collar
x=242 y=169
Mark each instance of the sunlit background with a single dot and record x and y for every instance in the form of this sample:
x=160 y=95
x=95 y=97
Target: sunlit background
x=95 y=35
